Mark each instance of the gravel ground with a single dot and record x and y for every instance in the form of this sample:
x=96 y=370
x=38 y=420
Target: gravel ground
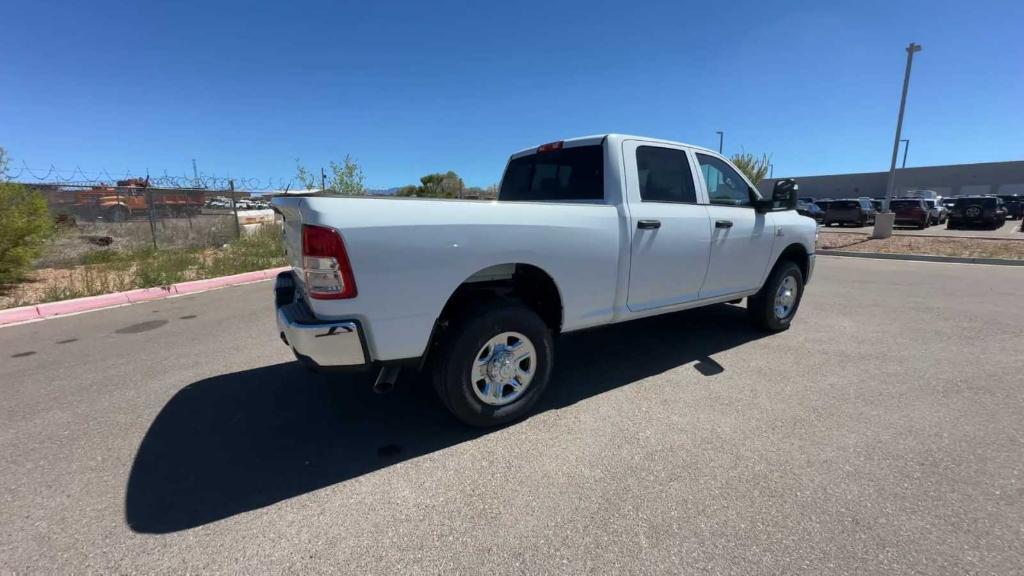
x=880 y=435
x=933 y=246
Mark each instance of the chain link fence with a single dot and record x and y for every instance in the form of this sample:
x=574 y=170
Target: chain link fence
x=132 y=214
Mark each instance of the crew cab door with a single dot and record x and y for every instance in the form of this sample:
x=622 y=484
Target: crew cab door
x=741 y=238
x=669 y=227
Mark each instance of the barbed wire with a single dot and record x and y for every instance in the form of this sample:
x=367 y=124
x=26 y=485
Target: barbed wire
x=78 y=177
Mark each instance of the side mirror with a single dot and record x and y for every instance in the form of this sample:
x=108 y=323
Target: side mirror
x=784 y=197
x=785 y=192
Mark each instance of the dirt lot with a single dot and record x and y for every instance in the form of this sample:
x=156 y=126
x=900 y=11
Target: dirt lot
x=924 y=245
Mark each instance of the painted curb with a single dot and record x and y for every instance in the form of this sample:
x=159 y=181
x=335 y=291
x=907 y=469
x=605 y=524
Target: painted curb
x=82 y=304
x=76 y=305
x=922 y=258
x=19 y=314
x=147 y=294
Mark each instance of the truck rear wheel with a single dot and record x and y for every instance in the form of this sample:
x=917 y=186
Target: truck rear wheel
x=494 y=365
x=775 y=305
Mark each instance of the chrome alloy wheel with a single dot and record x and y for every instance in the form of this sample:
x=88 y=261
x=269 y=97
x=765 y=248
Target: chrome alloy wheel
x=785 y=297
x=503 y=368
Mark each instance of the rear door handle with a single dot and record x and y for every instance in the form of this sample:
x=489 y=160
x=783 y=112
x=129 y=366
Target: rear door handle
x=648 y=224
x=723 y=223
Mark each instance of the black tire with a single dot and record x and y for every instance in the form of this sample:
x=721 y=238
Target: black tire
x=459 y=347
x=761 y=306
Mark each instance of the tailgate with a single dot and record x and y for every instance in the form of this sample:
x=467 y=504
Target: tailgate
x=290 y=210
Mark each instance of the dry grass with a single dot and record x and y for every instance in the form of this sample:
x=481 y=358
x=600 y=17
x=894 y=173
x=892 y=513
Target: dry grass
x=72 y=246
x=924 y=245
x=115 y=268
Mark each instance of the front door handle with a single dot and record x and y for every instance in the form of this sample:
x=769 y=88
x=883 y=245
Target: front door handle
x=723 y=223
x=648 y=224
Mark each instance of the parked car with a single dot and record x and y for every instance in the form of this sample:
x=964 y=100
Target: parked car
x=948 y=202
x=977 y=210
x=938 y=212
x=877 y=203
x=857 y=211
x=823 y=204
x=811 y=210
x=806 y=199
x=911 y=212
x=1014 y=205
x=476 y=290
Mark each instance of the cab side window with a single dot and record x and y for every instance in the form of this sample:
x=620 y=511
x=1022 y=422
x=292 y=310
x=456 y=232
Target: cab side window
x=725 y=186
x=664 y=175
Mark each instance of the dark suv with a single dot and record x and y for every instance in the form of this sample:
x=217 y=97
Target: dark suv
x=911 y=212
x=1014 y=205
x=977 y=210
x=810 y=209
x=859 y=211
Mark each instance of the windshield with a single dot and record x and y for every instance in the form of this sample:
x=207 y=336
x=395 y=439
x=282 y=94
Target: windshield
x=558 y=175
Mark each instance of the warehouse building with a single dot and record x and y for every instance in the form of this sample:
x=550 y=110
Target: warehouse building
x=952 y=180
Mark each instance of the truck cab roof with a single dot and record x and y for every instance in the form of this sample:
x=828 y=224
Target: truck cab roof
x=612 y=137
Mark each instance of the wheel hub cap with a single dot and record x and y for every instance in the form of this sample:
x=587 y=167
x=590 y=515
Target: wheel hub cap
x=503 y=368
x=785 y=297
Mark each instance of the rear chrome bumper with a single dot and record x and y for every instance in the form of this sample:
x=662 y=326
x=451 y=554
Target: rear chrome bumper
x=323 y=343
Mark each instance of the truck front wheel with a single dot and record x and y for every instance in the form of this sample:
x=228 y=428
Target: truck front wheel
x=775 y=305
x=494 y=365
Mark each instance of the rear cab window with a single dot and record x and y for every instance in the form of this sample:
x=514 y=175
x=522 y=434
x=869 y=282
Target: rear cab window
x=562 y=175
x=664 y=175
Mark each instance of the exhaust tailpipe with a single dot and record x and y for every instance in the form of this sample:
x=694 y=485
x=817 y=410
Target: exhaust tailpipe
x=385 y=382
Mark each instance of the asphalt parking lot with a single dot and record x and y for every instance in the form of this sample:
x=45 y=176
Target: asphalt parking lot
x=881 y=434
x=1010 y=229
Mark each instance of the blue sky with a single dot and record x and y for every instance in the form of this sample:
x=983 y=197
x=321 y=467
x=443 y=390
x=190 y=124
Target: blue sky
x=245 y=88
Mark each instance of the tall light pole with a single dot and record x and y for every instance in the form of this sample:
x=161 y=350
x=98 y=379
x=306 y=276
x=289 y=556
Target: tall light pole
x=721 y=137
x=906 y=148
x=771 y=170
x=884 y=221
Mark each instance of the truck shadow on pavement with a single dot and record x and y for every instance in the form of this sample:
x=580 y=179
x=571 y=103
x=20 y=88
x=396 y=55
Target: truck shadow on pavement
x=242 y=441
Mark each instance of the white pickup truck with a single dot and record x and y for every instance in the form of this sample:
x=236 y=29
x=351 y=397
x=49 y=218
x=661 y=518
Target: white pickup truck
x=585 y=232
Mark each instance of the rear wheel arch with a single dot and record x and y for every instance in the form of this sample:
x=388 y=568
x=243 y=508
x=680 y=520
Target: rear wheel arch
x=522 y=282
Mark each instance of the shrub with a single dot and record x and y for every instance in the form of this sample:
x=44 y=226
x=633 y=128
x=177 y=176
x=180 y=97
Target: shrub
x=25 y=226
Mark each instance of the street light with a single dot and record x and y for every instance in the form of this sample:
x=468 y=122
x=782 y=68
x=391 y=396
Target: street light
x=885 y=220
x=771 y=170
x=906 y=148
x=721 y=136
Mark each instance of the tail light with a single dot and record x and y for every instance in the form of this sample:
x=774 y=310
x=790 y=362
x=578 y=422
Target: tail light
x=325 y=264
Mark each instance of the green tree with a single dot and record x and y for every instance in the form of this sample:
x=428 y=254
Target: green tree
x=441 y=185
x=755 y=168
x=25 y=226
x=346 y=178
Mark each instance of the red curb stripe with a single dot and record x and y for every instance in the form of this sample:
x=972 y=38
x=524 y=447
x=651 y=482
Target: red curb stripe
x=19 y=314
x=82 y=304
x=146 y=294
x=51 y=309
